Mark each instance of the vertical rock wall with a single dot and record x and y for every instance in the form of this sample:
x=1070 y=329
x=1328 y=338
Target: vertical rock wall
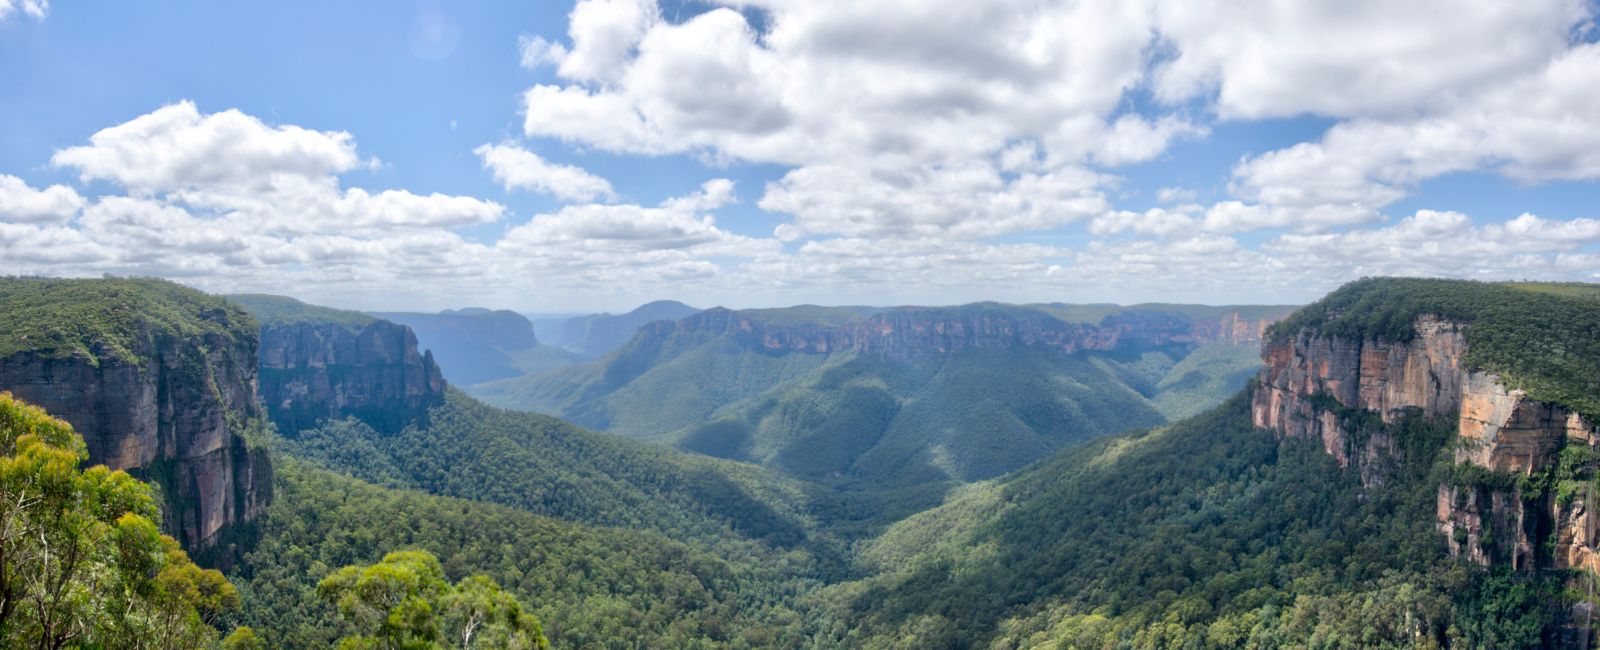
x=1307 y=379
x=316 y=371
x=170 y=414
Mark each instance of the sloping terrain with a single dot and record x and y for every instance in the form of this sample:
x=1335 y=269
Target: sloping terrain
x=900 y=397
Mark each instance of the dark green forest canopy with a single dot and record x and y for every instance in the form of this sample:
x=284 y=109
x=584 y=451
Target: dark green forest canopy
x=278 y=310
x=592 y=587
x=1209 y=533
x=108 y=317
x=1541 y=337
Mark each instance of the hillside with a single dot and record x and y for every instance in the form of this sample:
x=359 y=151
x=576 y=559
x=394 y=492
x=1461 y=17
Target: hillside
x=1351 y=499
x=595 y=335
x=159 y=379
x=480 y=345
x=591 y=586
x=902 y=397
x=546 y=466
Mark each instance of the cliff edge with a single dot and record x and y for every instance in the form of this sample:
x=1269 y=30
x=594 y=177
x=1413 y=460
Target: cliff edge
x=1509 y=365
x=158 y=378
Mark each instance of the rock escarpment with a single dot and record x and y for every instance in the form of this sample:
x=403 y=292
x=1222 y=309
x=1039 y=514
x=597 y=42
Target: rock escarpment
x=311 y=372
x=160 y=380
x=908 y=331
x=320 y=364
x=1509 y=448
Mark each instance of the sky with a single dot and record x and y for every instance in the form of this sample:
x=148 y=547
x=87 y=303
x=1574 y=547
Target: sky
x=560 y=157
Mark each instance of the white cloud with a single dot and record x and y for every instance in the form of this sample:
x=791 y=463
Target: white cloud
x=834 y=89
x=278 y=178
x=20 y=203
x=965 y=200
x=1155 y=221
x=604 y=32
x=34 y=8
x=1537 y=128
x=1270 y=58
x=1175 y=195
x=516 y=167
x=175 y=148
x=1434 y=243
x=536 y=51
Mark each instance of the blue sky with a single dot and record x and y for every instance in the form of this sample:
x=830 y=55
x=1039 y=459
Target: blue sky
x=877 y=152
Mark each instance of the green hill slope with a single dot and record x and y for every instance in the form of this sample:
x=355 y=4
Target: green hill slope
x=856 y=397
x=593 y=587
x=1208 y=533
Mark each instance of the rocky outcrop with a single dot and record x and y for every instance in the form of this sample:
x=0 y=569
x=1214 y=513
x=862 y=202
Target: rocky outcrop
x=1310 y=385
x=941 y=330
x=314 y=371
x=170 y=410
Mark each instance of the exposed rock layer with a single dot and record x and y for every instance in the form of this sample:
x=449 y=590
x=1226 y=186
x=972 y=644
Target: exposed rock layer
x=171 y=415
x=907 y=331
x=316 y=371
x=1307 y=379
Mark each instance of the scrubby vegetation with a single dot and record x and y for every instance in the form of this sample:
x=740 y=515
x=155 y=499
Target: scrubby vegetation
x=1541 y=337
x=109 y=318
x=277 y=310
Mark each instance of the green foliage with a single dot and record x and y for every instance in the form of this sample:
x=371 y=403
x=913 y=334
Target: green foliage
x=109 y=318
x=277 y=310
x=1204 y=378
x=1208 y=533
x=243 y=638
x=861 y=422
x=549 y=467
x=404 y=602
x=591 y=586
x=82 y=563
x=1542 y=338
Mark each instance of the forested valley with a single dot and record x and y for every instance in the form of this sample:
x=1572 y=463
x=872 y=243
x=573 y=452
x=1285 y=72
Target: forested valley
x=288 y=475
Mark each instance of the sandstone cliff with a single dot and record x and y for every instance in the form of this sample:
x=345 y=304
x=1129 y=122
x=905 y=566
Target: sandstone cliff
x=909 y=331
x=1311 y=384
x=322 y=364
x=161 y=382
x=319 y=371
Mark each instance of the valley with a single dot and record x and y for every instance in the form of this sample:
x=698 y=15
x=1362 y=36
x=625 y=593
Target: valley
x=1404 y=461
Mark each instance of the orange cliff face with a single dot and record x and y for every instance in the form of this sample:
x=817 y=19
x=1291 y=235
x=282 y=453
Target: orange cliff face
x=1500 y=429
x=938 y=330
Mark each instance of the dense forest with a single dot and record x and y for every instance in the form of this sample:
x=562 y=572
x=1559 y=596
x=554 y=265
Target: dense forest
x=480 y=527
x=1208 y=533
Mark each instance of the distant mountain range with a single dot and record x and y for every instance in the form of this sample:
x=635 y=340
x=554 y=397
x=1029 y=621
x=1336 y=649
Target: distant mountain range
x=906 y=397
x=1414 y=464
x=595 y=335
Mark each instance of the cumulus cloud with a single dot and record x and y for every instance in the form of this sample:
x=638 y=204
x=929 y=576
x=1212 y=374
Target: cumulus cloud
x=1274 y=58
x=1175 y=195
x=1155 y=221
x=21 y=203
x=32 y=8
x=518 y=168
x=955 y=151
x=281 y=178
x=1536 y=128
x=833 y=90
x=971 y=199
x=175 y=148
